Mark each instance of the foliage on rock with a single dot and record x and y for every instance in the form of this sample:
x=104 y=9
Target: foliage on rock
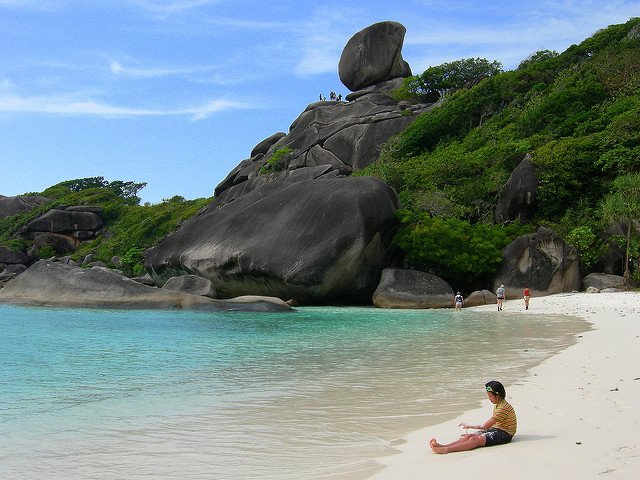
x=576 y=113
x=129 y=230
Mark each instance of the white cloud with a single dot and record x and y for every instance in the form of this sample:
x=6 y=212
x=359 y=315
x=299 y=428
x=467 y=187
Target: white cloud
x=66 y=105
x=173 y=6
x=118 y=69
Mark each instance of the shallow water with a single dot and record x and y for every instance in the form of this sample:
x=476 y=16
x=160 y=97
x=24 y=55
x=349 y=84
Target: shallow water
x=317 y=393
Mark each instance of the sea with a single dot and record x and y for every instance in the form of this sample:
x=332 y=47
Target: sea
x=317 y=393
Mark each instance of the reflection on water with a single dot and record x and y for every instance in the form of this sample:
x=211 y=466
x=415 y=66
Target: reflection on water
x=317 y=393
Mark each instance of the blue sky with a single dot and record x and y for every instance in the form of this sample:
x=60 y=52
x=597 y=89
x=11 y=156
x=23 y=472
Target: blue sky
x=176 y=93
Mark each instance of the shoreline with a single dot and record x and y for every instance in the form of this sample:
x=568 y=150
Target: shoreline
x=577 y=411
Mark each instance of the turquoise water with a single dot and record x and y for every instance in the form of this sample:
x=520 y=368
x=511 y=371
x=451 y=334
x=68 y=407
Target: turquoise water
x=317 y=393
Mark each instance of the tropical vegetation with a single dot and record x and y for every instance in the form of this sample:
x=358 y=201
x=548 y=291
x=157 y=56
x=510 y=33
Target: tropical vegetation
x=577 y=114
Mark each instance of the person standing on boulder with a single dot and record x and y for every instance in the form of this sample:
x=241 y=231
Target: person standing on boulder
x=526 y=294
x=500 y=296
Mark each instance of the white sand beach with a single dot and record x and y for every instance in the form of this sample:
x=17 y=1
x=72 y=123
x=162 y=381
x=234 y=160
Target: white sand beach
x=578 y=412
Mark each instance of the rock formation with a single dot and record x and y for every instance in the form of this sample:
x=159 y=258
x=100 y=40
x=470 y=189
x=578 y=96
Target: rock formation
x=540 y=261
x=10 y=206
x=63 y=228
x=11 y=257
x=600 y=281
x=287 y=222
x=518 y=200
x=373 y=55
x=412 y=289
x=48 y=283
x=337 y=138
x=312 y=241
x=191 y=284
x=328 y=139
x=480 y=297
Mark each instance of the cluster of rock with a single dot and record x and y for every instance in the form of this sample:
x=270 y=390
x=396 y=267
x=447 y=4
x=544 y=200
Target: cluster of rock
x=61 y=228
x=10 y=206
x=64 y=228
x=302 y=228
x=61 y=284
x=290 y=222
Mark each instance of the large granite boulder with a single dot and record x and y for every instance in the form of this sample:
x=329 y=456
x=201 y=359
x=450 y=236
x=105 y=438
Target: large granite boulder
x=314 y=241
x=336 y=138
x=49 y=283
x=8 y=256
x=412 y=289
x=10 y=272
x=328 y=139
x=10 y=206
x=373 y=55
x=63 y=221
x=518 y=199
x=60 y=243
x=600 y=281
x=191 y=284
x=541 y=261
x=480 y=297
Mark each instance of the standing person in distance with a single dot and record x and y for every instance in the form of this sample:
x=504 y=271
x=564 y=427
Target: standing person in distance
x=526 y=294
x=500 y=296
x=458 y=301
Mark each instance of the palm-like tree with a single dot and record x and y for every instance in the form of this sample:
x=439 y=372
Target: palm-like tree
x=623 y=205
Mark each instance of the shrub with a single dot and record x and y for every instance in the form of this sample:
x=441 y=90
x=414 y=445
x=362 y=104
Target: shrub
x=277 y=162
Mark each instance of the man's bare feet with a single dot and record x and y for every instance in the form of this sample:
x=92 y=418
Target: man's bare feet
x=434 y=443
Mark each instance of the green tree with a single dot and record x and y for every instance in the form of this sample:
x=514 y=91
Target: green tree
x=623 y=205
x=434 y=82
x=536 y=57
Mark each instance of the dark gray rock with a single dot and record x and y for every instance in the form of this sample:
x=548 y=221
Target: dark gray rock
x=266 y=144
x=97 y=209
x=342 y=137
x=10 y=256
x=87 y=259
x=60 y=243
x=602 y=281
x=191 y=284
x=145 y=280
x=11 y=271
x=373 y=55
x=540 y=261
x=62 y=221
x=518 y=199
x=412 y=289
x=480 y=297
x=57 y=284
x=10 y=206
x=314 y=241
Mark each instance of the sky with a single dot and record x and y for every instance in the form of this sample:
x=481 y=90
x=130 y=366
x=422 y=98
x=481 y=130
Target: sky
x=176 y=93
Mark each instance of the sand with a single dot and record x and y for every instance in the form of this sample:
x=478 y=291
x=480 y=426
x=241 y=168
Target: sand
x=578 y=412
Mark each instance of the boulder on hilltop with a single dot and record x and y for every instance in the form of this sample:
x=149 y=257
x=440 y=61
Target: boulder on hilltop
x=10 y=206
x=373 y=55
x=332 y=138
x=343 y=136
x=315 y=241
